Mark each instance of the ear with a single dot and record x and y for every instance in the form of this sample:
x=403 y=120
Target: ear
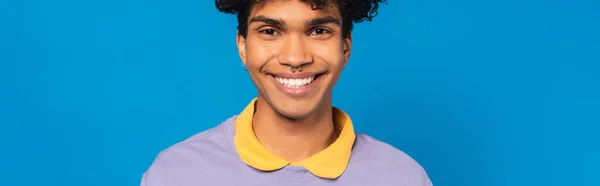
x=347 y=47
x=241 y=44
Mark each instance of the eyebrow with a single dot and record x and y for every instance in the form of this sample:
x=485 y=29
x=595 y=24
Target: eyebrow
x=281 y=23
x=323 y=20
x=270 y=21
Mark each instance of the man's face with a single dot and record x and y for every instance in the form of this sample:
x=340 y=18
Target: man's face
x=286 y=34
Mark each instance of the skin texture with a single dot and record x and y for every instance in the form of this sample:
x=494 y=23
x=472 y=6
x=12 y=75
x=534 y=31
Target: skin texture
x=280 y=34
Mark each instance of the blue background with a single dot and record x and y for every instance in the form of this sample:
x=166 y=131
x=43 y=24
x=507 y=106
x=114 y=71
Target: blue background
x=496 y=92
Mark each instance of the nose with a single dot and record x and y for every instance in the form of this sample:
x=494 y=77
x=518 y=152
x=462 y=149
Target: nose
x=295 y=52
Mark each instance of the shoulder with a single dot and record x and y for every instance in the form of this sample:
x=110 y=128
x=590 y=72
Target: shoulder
x=389 y=162
x=372 y=149
x=207 y=150
x=212 y=141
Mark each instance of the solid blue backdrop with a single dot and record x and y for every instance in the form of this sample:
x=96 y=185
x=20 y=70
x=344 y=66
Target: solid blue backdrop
x=497 y=92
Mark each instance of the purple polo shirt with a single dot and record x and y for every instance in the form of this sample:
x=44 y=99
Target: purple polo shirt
x=210 y=158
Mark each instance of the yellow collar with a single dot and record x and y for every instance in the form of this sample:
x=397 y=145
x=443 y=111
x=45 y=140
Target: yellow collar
x=329 y=163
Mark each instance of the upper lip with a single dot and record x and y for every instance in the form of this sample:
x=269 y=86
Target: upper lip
x=297 y=75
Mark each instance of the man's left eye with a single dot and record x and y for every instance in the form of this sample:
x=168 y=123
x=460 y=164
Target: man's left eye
x=319 y=31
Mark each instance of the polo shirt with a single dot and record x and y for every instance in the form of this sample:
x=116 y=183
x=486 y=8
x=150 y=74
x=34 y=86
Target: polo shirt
x=230 y=154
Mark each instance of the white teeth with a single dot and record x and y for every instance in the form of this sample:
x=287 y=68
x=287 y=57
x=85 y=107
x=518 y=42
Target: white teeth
x=294 y=83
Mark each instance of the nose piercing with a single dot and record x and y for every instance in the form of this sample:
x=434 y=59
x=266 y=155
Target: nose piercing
x=299 y=68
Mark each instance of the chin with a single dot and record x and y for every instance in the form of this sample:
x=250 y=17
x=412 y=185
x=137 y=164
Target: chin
x=293 y=101
x=294 y=113
x=293 y=109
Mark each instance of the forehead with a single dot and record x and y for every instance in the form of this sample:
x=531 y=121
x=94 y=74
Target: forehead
x=294 y=8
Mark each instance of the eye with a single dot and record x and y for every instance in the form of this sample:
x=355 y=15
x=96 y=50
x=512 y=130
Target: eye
x=269 y=32
x=319 y=31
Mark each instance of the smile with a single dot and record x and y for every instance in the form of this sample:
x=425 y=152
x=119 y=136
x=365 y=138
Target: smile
x=296 y=85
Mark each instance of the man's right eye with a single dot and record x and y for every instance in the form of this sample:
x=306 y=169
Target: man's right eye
x=269 y=31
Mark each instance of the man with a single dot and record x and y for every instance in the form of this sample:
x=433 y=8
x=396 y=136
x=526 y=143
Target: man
x=294 y=52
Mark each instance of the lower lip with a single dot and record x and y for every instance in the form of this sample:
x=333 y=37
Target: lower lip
x=303 y=91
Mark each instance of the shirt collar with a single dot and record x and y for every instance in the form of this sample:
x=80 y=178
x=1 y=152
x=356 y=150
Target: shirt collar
x=329 y=163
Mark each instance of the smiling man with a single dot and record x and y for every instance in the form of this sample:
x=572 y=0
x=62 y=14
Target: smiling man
x=294 y=52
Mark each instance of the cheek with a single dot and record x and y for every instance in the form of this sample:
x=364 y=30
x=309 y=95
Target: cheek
x=259 y=53
x=330 y=52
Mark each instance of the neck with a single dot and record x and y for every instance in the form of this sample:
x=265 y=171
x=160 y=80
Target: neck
x=293 y=139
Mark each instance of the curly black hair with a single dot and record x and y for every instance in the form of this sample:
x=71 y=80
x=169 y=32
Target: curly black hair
x=352 y=11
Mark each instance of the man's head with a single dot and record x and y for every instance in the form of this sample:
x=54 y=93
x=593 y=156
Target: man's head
x=295 y=50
